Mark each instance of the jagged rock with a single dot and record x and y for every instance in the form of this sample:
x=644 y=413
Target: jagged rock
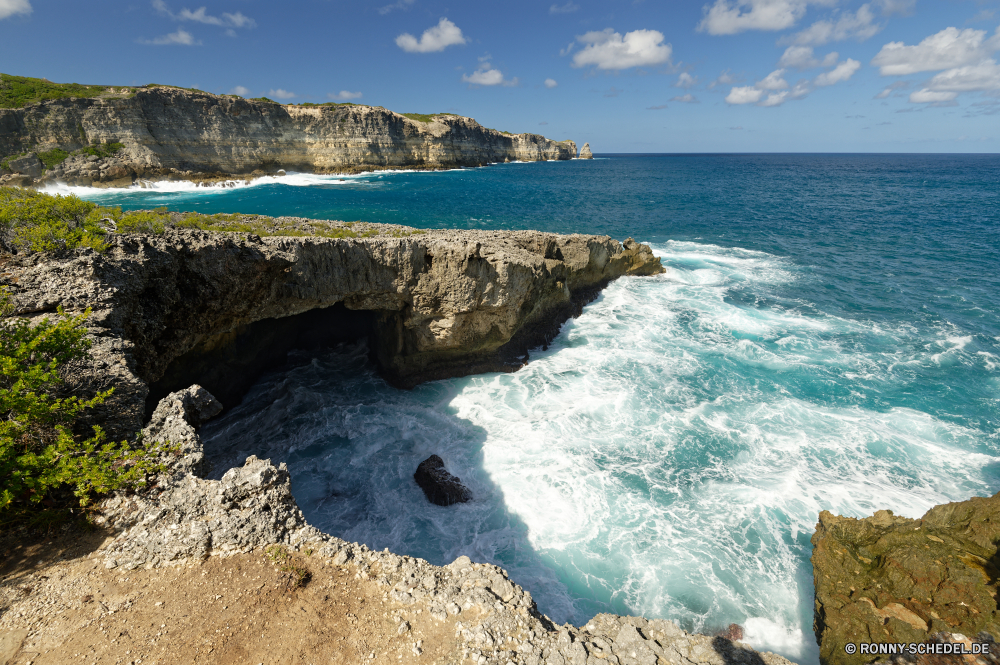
x=28 y=165
x=175 y=420
x=170 y=130
x=439 y=486
x=892 y=579
x=585 y=152
x=168 y=308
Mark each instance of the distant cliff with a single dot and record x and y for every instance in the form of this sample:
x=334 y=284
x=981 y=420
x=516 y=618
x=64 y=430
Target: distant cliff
x=176 y=133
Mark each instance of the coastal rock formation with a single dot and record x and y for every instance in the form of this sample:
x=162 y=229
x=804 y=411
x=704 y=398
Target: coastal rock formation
x=585 y=152
x=217 y=309
x=892 y=579
x=439 y=486
x=176 y=133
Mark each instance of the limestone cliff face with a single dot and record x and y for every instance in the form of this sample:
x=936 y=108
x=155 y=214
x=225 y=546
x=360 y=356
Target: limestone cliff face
x=170 y=310
x=585 y=152
x=170 y=128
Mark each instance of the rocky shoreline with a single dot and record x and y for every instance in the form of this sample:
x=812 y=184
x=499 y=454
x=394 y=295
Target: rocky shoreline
x=182 y=318
x=164 y=133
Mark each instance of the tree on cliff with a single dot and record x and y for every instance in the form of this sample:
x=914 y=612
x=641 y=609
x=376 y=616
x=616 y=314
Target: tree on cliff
x=47 y=470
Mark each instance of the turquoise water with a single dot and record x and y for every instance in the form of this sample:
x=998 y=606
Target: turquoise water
x=826 y=337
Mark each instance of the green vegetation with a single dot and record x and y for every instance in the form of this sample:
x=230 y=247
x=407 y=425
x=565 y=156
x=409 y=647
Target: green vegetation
x=327 y=104
x=164 y=85
x=7 y=160
x=51 y=158
x=424 y=117
x=297 y=575
x=101 y=150
x=262 y=99
x=38 y=222
x=20 y=91
x=47 y=471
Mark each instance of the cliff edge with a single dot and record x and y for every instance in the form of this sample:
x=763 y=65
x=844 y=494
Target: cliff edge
x=165 y=132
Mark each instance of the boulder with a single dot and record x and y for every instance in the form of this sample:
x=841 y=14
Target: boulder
x=891 y=579
x=439 y=486
x=585 y=152
x=28 y=165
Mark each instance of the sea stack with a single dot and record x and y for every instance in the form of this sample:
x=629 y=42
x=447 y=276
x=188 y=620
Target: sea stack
x=585 y=152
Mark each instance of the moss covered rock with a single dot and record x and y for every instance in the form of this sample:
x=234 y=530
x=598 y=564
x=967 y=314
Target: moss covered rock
x=892 y=579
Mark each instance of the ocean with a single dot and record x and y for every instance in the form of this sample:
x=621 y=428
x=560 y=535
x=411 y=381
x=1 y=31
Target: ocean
x=826 y=337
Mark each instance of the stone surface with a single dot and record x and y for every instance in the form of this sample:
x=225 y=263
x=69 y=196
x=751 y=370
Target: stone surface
x=444 y=303
x=175 y=133
x=439 y=486
x=892 y=579
x=585 y=152
x=28 y=165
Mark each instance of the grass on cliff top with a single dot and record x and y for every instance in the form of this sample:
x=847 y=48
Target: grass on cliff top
x=32 y=221
x=19 y=91
x=424 y=117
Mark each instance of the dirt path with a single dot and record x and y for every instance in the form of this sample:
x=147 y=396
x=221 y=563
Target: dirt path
x=59 y=605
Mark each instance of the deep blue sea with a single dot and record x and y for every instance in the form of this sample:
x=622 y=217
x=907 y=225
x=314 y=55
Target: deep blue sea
x=826 y=337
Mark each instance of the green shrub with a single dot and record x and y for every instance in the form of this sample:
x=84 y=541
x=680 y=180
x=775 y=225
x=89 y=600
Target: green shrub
x=101 y=150
x=424 y=117
x=19 y=91
x=38 y=222
x=44 y=467
x=51 y=158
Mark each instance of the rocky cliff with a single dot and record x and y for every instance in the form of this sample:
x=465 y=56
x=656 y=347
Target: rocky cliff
x=889 y=579
x=172 y=132
x=217 y=308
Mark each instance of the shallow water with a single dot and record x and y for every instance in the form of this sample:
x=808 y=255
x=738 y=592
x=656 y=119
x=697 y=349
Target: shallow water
x=826 y=337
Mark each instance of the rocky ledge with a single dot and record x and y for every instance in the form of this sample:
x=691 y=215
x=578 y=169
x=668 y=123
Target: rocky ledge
x=889 y=579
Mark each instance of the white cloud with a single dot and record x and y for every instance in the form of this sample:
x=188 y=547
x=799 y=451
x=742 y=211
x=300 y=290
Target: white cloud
x=746 y=94
x=773 y=81
x=240 y=90
x=607 y=49
x=565 y=51
x=344 y=95
x=402 y=4
x=979 y=77
x=436 y=38
x=728 y=17
x=201 y=15
x=841 y=72
x=859 y=25
x=944 y=50
x=892 y=87
x=725 y=78
x=568 y=8
x=686 y=99
x=280 y=94
x=11 y=7
x=685 y=80
x=550 y=83
x=926 y=96
x=486 y=74
x=802 y=57
x=181 y=38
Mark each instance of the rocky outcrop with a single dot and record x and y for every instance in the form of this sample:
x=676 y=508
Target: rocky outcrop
x=171 y=310
x=498 y=623
x=585 y=152
x=176 y=133
x=439 y=486
x=892 y=579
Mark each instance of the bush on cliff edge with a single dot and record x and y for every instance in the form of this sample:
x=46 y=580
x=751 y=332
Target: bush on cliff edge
x=45 y=469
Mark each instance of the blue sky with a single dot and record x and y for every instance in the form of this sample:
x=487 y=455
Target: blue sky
x=629 y=76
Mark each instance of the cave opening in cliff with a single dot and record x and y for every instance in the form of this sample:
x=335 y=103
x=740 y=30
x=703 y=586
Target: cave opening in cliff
x=227 y=365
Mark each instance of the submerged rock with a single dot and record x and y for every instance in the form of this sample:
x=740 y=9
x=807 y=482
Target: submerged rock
x=892 y=579
x=439 y=486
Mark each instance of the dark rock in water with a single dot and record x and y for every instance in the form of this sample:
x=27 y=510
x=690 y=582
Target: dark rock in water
x=892 y=579
x=438 y=485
